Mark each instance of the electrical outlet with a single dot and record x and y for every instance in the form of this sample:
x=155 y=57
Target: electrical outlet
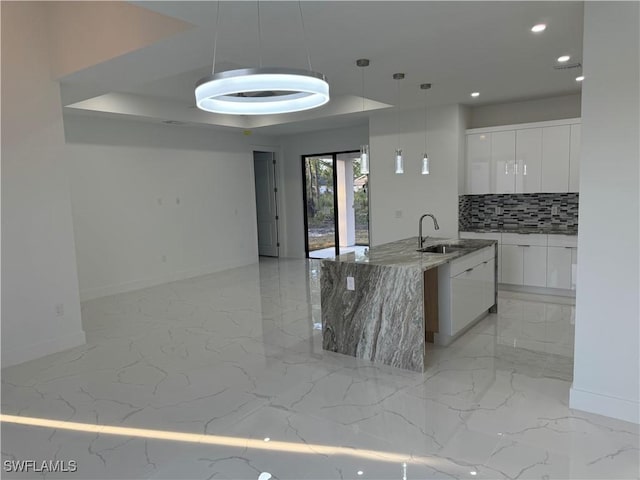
x=164 y=259
x=351 y=283
x=159 y=201
x=177 y=200
x=555 y=210
x=398 y=213
x=59 y=309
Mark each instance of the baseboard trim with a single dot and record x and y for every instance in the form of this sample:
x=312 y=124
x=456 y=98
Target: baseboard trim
x=614 y=407
x=14 y=356
x=557 y=292
x=98 y=292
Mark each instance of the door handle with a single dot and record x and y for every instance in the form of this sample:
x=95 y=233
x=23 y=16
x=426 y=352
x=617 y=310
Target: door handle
x=524 y=245
x=468 y=270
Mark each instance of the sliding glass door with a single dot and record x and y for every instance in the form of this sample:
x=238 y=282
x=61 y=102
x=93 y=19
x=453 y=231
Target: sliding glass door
x=336 y=204
x=320 y=202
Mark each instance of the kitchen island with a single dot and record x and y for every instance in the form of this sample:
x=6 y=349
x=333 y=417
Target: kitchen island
x=386 y=304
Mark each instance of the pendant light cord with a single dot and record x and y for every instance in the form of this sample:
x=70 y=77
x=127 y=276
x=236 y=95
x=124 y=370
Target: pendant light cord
x=362 y=68
x=259 y=37
x=425 y=121
x=215 y=38
x=304 y=36
x=398 y=113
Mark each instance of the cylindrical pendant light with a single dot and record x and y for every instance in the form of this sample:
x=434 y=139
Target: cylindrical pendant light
x=364 y=159
x=399 y=159
x=364 y=149
x=425 y=155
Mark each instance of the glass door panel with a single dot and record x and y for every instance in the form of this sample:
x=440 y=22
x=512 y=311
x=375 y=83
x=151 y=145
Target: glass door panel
x=320 y=206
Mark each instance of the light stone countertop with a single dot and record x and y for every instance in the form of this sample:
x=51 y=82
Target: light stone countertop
x=404 y=254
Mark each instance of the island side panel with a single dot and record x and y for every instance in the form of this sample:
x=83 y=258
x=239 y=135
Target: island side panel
x=430 y=301
x=381 y=320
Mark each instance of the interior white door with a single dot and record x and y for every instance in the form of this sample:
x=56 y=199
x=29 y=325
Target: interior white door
x=528 y=160
x=479 y=163
x=555 y=158
x=503 y=161
x=266 y=203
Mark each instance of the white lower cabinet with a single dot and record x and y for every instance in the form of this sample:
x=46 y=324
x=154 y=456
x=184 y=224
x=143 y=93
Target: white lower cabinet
x=466 y=292
x=534 y=269
x=512 y=265
x=574 y=267
x=497 y=236
x=559 y=262
x=535 y=260
x=466 y=295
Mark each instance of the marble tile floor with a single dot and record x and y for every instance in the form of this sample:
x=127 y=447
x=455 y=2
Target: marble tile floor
x=187 y=380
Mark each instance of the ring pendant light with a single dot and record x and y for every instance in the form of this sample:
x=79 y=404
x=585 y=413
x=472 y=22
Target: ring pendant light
x=261 y=90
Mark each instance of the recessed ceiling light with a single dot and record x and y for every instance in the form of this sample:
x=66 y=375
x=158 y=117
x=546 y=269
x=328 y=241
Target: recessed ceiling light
x=580 y=78
x=564 y=58
x=266 y=439
x=360 y=472
x=540 y=27
x=473 y=473
x=475 y=94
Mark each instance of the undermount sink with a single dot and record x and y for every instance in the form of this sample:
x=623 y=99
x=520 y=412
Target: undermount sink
x=441 y=248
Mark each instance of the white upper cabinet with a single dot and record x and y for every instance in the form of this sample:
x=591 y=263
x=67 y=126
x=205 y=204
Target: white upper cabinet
x=529 y=160
x=556 y=145
x=525 y=158
x=574 y=159
x=479 y=163
x=503 y=161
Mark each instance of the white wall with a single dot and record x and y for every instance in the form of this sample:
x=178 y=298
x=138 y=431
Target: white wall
x=538 y=110
x=397 y=201
x=607 y=363
x=38 y=258
x=293 y=147
x=154 y=203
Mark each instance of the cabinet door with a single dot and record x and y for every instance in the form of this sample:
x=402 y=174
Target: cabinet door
x=555 y=158
x=489 y=283
x=535 y=266
x=512 y=264
x=559 y=267
x=574 y=159
x=479 y=163
x=574 y=267
x=528 y=160
x=462 y=300
x=503 y=159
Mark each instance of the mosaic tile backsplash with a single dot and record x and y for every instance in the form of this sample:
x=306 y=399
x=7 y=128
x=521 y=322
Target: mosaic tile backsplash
x=545 y=211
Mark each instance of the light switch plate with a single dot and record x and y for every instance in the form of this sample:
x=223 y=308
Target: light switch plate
x=351 y=283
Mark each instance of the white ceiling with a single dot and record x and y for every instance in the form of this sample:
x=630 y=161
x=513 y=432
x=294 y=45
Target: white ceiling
x=459 y=47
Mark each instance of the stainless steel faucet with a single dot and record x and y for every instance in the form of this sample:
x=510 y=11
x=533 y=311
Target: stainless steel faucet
x=421 y=239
